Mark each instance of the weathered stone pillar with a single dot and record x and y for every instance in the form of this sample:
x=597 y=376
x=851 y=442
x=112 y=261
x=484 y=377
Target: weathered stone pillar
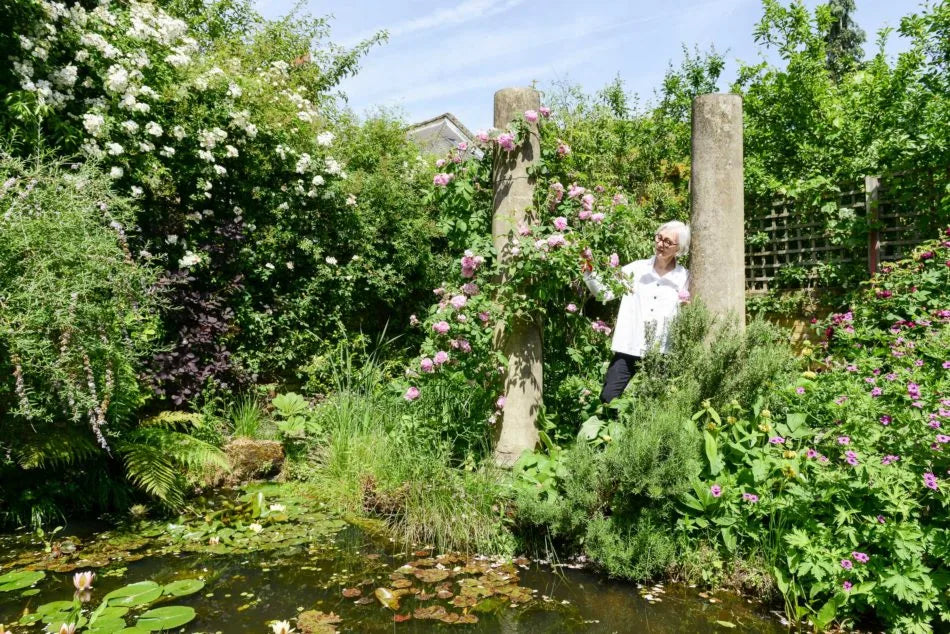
x=717 y=260
x=513 y=204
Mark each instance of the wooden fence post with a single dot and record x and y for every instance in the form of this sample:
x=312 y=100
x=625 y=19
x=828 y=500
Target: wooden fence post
x=871 y=187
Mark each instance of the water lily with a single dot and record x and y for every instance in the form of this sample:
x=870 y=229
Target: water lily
x=282 y=627
x=67 y=628
x=214 y=541
x=83 y=580
x=278 y=508
x=257 y=528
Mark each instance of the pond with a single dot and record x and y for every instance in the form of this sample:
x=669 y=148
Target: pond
x=274 y=554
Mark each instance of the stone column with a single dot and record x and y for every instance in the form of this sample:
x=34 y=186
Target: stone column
x=513 y=204
x=717 y=261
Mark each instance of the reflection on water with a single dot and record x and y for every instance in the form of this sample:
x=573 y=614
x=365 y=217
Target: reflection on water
x=244 y=592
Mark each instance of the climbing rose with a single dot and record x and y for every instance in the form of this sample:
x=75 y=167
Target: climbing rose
x=571 y=308
x=560 y=223
x=506 y=141
x=459 y=301
x=683 y=295
x=614 y=260
x=563 y=149
x=597 y=217
x=411 y=394
x=531 y=116
x=442 y=179
x=500 y=403
x=440 y=357
x=427 y=365
x=441 y=327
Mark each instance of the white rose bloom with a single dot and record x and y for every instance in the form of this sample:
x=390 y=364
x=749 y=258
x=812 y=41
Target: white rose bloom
x=93 y=123
x=269 y=266
x=117 y=79
x=303 y=163
x=141 y=107
x=331 y=260
x=190 y=259
x=167 y=150
x=153 y=129
x=130 y=126
x=26 y=43
x=333 y=167
x=145 y=146
x=234 y=90
x=178 y=60
x=205 y=155
x=251 y=130
x=325 y=138
x=230 y=151
x=116 y=172
x=136 y=191
x=82 y=55
x=91 y=148
x=65 y=77
x=128 y=101
x=221 y=170
x=114 y=148
x=318 y=180
x=171 y=238
x=178 y=132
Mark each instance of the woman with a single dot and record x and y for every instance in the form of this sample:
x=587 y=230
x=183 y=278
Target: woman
x=656 y=287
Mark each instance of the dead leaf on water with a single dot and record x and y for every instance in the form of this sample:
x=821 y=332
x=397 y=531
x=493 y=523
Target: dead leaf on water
x=387 y=598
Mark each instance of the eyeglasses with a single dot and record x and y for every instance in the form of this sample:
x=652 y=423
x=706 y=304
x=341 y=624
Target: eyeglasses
x=666 y=242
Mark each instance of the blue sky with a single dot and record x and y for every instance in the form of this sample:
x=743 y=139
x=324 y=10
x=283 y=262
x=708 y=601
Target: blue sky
x=452 y=56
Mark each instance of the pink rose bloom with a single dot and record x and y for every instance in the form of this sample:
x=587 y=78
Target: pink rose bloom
x=583 y=214
x=441 y=357
x=563 y=149
x=484 y=317
x=470 y=288
x=440 y=163
x=462 y=146
x=506 y=141
x=500 y=403
x=531 y=116
x=438 y=291
x=427 y=365
x=560 y=223
x=545 y=111
x=456 y=159
x=556 y=240
x=468 y=272
x=413 y=320
x=575 y=191
x=587 y=253
x=619 y=199
x=461 y=317
x=459 y=301
x=597 y=217
x=600 y=326
x=614 y=260
x=571 y=308
x=482 y=137
x=411 y=394
x=441 y=327
x=523 y=229
x=588 y=202
x=442 y=179
x=558 y=190
x=683 y=295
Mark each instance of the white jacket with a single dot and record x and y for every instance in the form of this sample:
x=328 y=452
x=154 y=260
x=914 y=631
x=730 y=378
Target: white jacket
x=651 y=304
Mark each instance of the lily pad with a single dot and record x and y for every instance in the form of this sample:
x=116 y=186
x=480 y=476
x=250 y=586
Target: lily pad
x=317 y=622
x=183 y=587
x=165 y=618
x=432 y=612
x=106 y=626
x=134 y=594
x=351 y=593
x=432 y=575
x=19 y=579
x=53 y=607
x=32 y=592
x=387 y=598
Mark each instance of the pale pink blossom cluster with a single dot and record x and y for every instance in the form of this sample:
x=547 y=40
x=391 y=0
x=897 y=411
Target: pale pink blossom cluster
x=558 y=190
x=427 y=365
x=544 y=111
x=614 y=260
x=459 y=301
x=531 y=116
x=563 y=149
x=441 y=327
x=575 y=191
x=524 y=229
x=506 y=141
x=470 y=288
x=600 y=326
x=442 y=179
x=411 y=394
x=441 y=357
x=461 y=344
x=560 y=223
x=470 y=262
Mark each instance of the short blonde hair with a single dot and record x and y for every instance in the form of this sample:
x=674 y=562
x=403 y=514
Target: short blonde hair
x=682 y=234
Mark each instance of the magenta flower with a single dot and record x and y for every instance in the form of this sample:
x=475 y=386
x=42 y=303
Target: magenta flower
x=852 y=368
x=683 y=295
x=876 y=391
x=885 y=420
x=560 y=223
x=556 y=240
x=571 y=308
x=600 y=326
x=587 y=202
x=411 y=394
x=890 y=376
x=930 y=481
x=531 y=116
x=427 y=365
x=459 y=301
x=441 y=357
x=880 y=519
x=716 y=490
x=506 y=141
x=442 y=179
x=846 y=586
x=913 y=390
x=614 y=260
x=583 y=214
x=777 y=440
x=751 y=498
x=844 y=440
x=563 y=149
x=846 y=564
x=575 y=191
x=886 y=460
x=482 y=137
x=811 y=453
x=470 y=288
x=441 y=327
x=544 y=111
x=946 y=365
x=597 y=217
x=851 y=458
x=799 y=390
x=943 y=439
x=484 y=317
x=500 y=403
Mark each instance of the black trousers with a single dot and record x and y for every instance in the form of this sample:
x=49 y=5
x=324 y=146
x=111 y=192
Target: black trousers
x=621 y=369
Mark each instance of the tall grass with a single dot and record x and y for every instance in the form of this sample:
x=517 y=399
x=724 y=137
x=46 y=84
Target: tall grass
x=247 y=417
x=372 y=459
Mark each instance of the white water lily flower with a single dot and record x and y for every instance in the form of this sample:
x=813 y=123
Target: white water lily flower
x=257 y=528
x=282 y=627
x=280 y=508
x=83 y=580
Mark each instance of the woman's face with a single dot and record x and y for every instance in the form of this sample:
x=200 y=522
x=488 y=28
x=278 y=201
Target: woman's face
x=666 y=243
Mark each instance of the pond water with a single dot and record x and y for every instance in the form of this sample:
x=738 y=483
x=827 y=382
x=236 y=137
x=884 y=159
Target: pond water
x=271 y=557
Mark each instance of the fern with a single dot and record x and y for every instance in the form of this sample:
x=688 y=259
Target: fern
x=60 y=447
x=157 y=460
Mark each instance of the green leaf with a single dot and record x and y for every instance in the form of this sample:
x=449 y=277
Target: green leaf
x=183 y=587
x=780 y=580
x=712 y=453
x=135 y=594
x=827 y=613
x=728 y=538
x=692 y=502
x=106 y=626
x=165 y=618
x=794 y=421
x=19 y=579
x=590 y=429
x=727 y=624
